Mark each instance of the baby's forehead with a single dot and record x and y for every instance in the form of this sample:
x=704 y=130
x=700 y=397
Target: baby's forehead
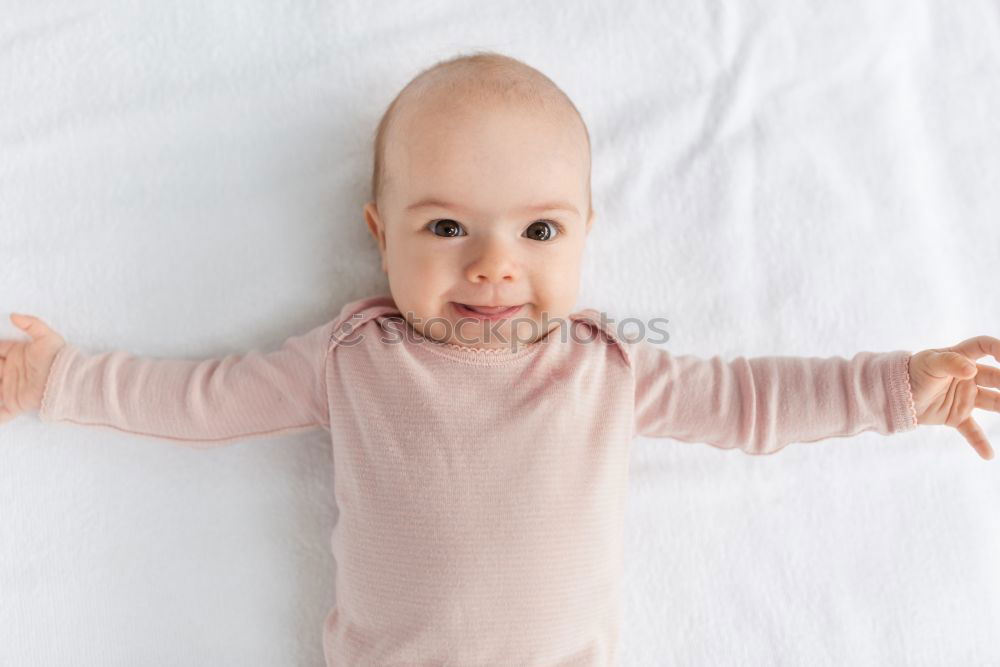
x=449 y=94
x=427 y=128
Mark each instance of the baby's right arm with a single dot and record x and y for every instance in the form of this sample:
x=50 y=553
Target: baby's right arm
x=197 y=402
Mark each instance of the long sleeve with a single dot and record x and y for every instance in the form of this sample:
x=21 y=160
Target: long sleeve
x=762 y=404
x=210 y=401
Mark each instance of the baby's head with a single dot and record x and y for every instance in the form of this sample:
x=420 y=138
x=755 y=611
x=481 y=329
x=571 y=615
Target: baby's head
x=481 y=196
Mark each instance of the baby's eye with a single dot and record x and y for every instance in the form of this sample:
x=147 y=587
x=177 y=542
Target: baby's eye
x=542 y=230
x=451 y=228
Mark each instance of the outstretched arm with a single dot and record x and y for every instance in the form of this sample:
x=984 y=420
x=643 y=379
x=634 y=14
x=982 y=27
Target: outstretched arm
x=761 y=404
x=202 y=403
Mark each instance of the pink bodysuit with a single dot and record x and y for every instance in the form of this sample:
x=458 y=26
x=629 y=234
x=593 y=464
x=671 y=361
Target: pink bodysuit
x=481 y=493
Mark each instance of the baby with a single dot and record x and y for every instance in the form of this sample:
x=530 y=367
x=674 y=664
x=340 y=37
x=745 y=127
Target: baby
x=481 y=427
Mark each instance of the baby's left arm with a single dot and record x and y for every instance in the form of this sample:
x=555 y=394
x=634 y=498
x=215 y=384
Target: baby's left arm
x=760 y=404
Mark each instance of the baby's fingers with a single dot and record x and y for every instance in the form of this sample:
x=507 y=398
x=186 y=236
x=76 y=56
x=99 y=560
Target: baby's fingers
x=34 y=327
x=988 y=400
x=988 y=376
x=974 y=434
x=978 y=346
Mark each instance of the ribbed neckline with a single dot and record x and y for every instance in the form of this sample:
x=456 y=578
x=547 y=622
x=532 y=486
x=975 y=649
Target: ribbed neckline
x=475 y=355
x=467 y=354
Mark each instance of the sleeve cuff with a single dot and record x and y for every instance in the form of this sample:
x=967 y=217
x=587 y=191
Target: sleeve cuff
x=57 y=375
x=903 y=411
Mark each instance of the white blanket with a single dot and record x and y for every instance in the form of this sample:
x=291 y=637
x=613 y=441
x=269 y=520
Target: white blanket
x=186 y=179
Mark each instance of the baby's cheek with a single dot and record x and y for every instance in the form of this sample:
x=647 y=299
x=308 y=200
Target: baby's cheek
x=560 y=288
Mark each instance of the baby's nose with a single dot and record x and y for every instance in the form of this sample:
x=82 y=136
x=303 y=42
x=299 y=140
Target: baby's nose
x=495 y=262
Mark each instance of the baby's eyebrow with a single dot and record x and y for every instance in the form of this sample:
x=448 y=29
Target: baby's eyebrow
x=431 y=202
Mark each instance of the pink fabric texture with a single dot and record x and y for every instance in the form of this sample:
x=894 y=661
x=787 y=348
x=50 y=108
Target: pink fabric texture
x=481 y=493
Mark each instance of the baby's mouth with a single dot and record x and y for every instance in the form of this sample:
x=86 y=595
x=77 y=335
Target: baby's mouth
x=487 y=311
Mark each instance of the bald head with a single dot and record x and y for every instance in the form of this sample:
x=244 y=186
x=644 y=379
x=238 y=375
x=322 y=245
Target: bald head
x=465 y=85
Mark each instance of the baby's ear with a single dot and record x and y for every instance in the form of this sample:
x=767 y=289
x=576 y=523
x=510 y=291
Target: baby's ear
x=375 y=226
x=374 y=223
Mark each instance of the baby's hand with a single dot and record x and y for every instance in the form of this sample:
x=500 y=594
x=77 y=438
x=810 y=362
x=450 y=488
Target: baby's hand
x=24 y=366
x=945 y=384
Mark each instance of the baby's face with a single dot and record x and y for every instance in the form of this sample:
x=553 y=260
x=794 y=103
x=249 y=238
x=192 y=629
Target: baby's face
x=484 y=208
